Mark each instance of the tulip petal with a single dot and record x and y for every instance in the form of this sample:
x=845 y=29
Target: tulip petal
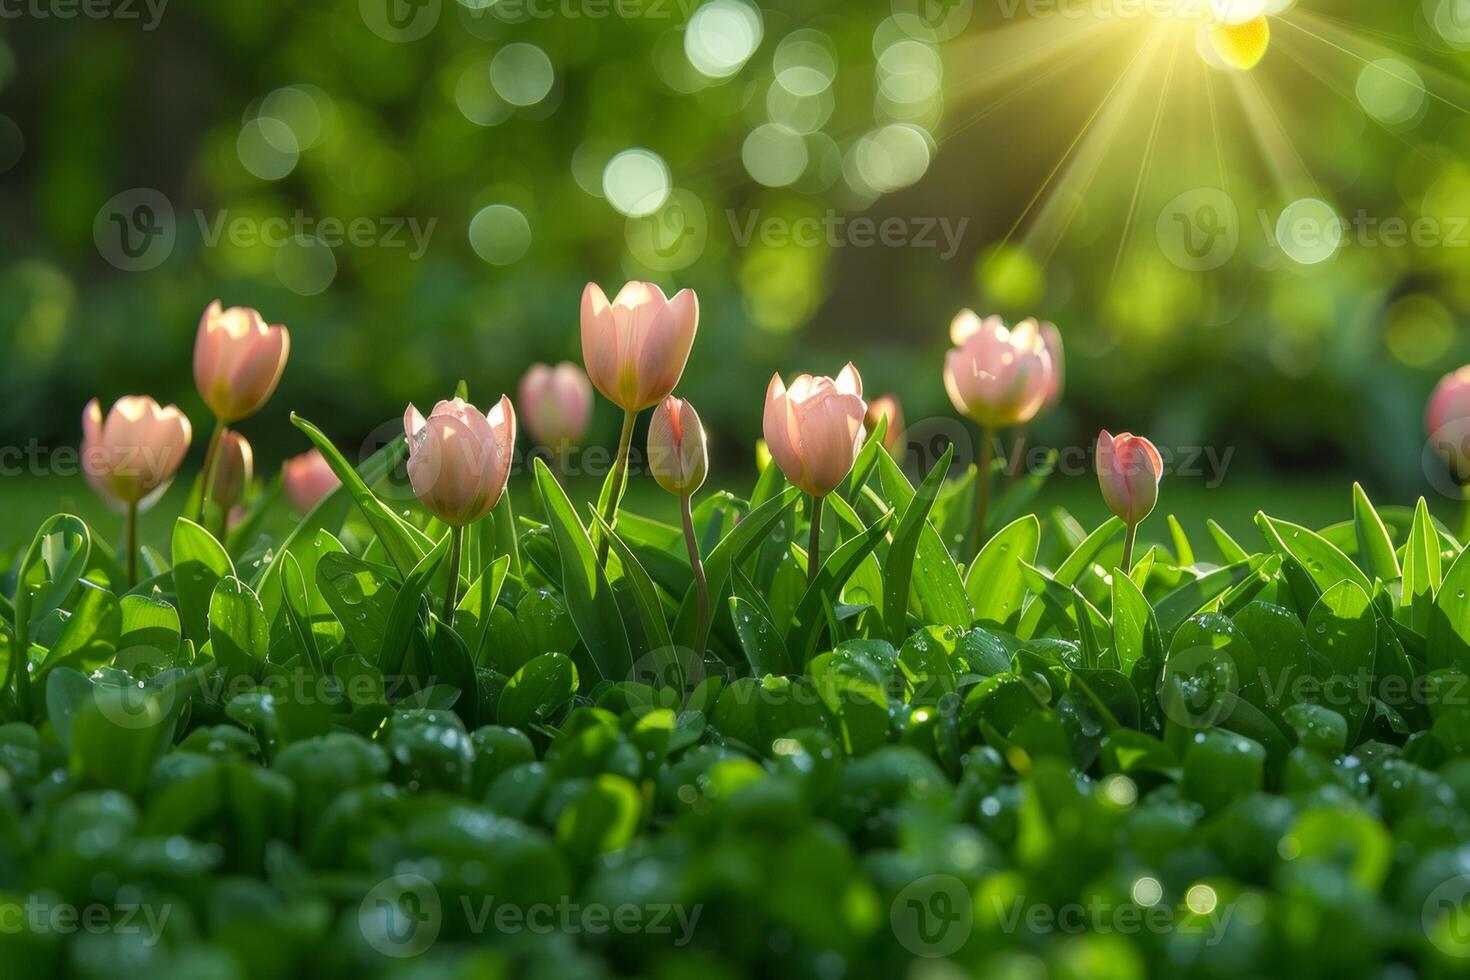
x=413 y=424
x=600 y=342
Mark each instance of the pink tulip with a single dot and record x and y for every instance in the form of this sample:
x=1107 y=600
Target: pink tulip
x=556 y=404
x=1447 y=420
x=1051 y=337
x=234 y=469
x=814 y=429
x=308 y=478
x=132 y=456
x=1128 y=470
x=886 y=406
x=238 y=361
x=635 y=347
x=459 y=459
x=676 y=448
x=998 y=376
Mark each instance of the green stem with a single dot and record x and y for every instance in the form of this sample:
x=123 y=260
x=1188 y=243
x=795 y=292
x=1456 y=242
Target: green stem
x=814 y=541
x=211 y=459
x=451 y=592
x=620 y=482
x=701 y=587
x=130 y=541
x=982 y=484
x=1128 y=548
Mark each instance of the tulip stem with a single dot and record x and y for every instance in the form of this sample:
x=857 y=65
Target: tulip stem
x=701 y=586
x=620 y=482
x=1128 y=547
x=130 y=541
x=982 y=484
x=814 y=541
x=451 y=591
x=211 y=457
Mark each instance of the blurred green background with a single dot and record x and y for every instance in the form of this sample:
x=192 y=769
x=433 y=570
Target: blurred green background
x=419 y=189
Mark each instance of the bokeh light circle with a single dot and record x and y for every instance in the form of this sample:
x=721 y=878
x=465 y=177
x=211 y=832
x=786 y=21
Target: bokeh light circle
x=721 y=36
x=1309 y=231
x=803 y=113
x=805 y=62
x=1390 y=91
x=267 y=148
x=891 y=157
x=476 y=98
x=636 y=182
x=522 y=74
x=909 y=71
x=774 y=155
x=306 y=265
x=1419 y=331
x=500 y=234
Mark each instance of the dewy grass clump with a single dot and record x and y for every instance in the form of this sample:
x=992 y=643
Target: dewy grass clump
x=841 y=723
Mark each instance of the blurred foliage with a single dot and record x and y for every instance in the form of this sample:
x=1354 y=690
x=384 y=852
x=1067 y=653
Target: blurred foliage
x=492 y=135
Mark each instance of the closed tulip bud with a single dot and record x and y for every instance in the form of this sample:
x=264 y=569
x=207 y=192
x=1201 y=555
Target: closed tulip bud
x=996 y=375
x=131 y=456
x=1128 y=470
x=1447 y=421
x=308 y=479
x=238 y=361
x=676 y=448
x=814 y=429
x=459 y=459
x=886 y=406
x=235 y=469
x=1051 y=338
x=635 y=347
x=556 y=404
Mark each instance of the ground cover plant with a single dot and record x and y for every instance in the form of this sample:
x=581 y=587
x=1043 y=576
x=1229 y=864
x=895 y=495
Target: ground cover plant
x=844 y=720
